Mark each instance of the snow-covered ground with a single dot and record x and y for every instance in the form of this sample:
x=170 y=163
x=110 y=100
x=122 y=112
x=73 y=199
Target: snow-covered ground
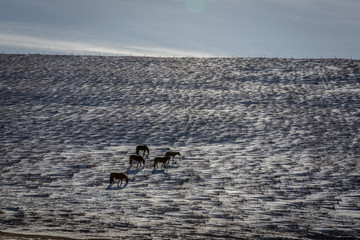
x=270 y=147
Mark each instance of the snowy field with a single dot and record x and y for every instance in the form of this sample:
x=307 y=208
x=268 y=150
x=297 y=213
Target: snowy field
x=270 y=148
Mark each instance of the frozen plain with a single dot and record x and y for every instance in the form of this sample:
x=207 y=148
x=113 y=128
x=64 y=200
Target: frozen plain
x=270 y=147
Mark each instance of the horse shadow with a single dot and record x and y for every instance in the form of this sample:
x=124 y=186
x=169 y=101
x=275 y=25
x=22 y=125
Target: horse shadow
x=117 y=187
x=172 y=165
x=159 y=171
x=129 y=170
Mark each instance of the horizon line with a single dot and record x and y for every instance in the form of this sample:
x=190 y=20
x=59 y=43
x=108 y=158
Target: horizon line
x=100 y=54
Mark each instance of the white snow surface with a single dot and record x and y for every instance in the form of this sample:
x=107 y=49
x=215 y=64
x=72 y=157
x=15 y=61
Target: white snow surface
x=270 y=148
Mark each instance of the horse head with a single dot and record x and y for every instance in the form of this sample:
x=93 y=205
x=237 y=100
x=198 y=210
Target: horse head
x=111 y=179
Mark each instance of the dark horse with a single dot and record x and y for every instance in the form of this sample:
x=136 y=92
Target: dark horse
x=138 y=159
x=172 y=154
x=163 y=160
x=119 y=176
x=143 y=148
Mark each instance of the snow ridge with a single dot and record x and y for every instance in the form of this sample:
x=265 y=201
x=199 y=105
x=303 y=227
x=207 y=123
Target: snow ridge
x=269 y=147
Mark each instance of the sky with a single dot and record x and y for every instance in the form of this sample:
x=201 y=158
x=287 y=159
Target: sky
x=197 y=28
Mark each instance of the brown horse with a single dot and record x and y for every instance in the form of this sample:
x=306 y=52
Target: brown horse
x=138 y=159
x=172 y=154
x=163 y=160
x=143 y=148
x=119 y=176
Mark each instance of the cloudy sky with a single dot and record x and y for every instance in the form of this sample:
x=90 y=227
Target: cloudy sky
x=284 y=28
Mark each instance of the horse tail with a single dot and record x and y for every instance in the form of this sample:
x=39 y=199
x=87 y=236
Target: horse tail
x=154 y=163
x=130 y=160
x=111 y=179
x=127 y=179
x=137 y=150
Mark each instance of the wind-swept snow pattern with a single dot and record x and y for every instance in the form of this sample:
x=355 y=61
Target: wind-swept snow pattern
x=269 y=148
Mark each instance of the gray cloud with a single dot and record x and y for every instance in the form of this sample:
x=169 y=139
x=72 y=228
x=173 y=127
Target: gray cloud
x=218 y=27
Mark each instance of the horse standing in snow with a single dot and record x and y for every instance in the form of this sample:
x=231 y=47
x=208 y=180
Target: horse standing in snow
x=172 y=154
x=139 y=159
x=143 y=148
x=119 y=176
x=162 y=160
